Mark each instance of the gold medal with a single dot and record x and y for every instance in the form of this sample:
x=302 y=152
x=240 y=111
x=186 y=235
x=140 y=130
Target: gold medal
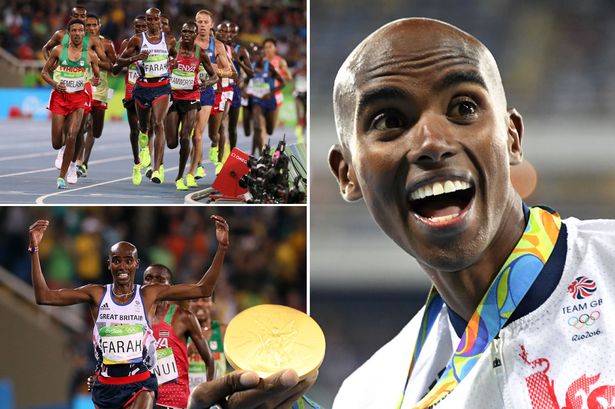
x=269 y=338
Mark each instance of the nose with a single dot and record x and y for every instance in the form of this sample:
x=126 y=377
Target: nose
x=431 y=141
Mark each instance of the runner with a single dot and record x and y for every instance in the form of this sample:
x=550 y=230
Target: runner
x=261 y=90
x=210 y=98
x=186 y=97
x=69 y=96
x=271 y=53
x=241 y=61
x=101 y=94
x=140 y=26
x=173 y=326
x=152 y=90
x=123 y=340
x=213 y=331
x=300 y=94
x=62 y=37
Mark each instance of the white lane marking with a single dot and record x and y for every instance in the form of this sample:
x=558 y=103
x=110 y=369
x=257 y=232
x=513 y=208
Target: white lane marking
x=54 y=153
x=94 y=162
x=41 y=199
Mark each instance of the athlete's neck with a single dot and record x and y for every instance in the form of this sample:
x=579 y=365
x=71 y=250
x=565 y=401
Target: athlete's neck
x=463 y=290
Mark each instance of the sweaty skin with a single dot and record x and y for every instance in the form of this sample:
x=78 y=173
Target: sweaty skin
x=420 y=101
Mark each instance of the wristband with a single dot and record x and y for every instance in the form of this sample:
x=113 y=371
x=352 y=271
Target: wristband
x=32 y=249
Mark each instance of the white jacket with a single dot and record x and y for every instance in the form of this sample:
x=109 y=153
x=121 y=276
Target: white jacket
x=561 y=355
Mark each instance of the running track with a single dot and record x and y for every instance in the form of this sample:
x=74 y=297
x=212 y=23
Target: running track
x=28 y=175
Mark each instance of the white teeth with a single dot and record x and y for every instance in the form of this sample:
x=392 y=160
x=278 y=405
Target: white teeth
x=438 y=188
x=443 y=218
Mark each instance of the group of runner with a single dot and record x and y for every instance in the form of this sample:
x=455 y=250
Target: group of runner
x=173 y=90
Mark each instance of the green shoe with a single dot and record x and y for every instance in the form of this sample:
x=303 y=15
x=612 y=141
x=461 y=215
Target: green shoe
x=136 y=175
x=82 y=170
x=219 y=167
x=190 y=182
x=213 y=154
x=161 y=172
x=61 y=183
x=200 y=172
x=144 y=157
x=143 y=140
x=180 y=185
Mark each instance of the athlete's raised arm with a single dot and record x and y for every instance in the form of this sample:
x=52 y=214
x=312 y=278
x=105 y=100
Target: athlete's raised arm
x=87 y=294
x=205 y=287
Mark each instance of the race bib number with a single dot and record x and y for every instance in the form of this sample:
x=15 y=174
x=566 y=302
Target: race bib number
x=258 y=87
x=197 y=373
x=133 y=74
x=166 y=367
x=156 y=66
x=182 y=80
x=121 y=344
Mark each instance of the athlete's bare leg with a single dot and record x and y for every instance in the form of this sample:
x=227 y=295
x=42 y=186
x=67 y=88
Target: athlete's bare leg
x=98 y=122
x=74 y=123
x=188 y=119
x=197 y=138
x=133 y=124
x=159 y=110
x=144 y=400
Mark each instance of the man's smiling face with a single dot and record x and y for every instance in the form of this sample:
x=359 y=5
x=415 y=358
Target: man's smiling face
x=426 y=140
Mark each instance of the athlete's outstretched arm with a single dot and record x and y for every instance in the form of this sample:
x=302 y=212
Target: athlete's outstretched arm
x=205 y=287
x=42 y=292
x=195 y=333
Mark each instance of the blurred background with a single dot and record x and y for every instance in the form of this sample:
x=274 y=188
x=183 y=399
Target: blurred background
x=556 y=60
x=46 y=352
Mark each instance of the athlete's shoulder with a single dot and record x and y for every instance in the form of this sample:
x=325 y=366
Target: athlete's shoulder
x=378 y=383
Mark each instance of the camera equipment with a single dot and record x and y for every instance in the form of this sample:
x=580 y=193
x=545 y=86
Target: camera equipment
x=269 y=180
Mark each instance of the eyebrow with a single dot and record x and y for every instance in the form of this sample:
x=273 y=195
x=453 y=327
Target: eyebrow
x=459 y=77
x=378 y=94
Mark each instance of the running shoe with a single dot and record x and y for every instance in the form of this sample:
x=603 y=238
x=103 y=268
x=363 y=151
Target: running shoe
x=200 y=172
x=148 y=172
x=136 y=175
x=82 y=170
x=60 y=157
x=158 y=176
x=61 y=183
x=144 y=156
x=219 y=167
x=190 y=182
x=143 y=140
x=71 y=175
x=213 y=154
x=180 y=185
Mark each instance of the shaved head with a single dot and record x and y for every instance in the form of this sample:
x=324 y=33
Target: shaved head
x=123 y=247
x=153 y=10
x=414 y=44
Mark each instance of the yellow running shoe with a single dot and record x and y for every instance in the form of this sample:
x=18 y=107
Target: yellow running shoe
x=136 y=175
x=213 y=154
x=200 y=172
x=190 y=182
x=180 y=185
x=143 y=140
x=161 y=172
x=219 y=167
x=156 y=177
x=144 y=157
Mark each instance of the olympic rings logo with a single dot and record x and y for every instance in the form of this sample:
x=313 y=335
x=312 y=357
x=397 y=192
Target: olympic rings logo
x=584 y=320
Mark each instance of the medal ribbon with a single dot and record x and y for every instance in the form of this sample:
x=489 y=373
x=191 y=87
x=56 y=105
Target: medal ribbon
x=506 y=291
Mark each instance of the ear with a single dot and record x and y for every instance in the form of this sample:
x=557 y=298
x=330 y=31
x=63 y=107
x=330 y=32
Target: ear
x=515 y=133
x=345 y=175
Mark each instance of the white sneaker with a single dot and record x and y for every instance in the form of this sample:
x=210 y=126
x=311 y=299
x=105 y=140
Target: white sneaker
x=60 y=157
x=71 y=175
